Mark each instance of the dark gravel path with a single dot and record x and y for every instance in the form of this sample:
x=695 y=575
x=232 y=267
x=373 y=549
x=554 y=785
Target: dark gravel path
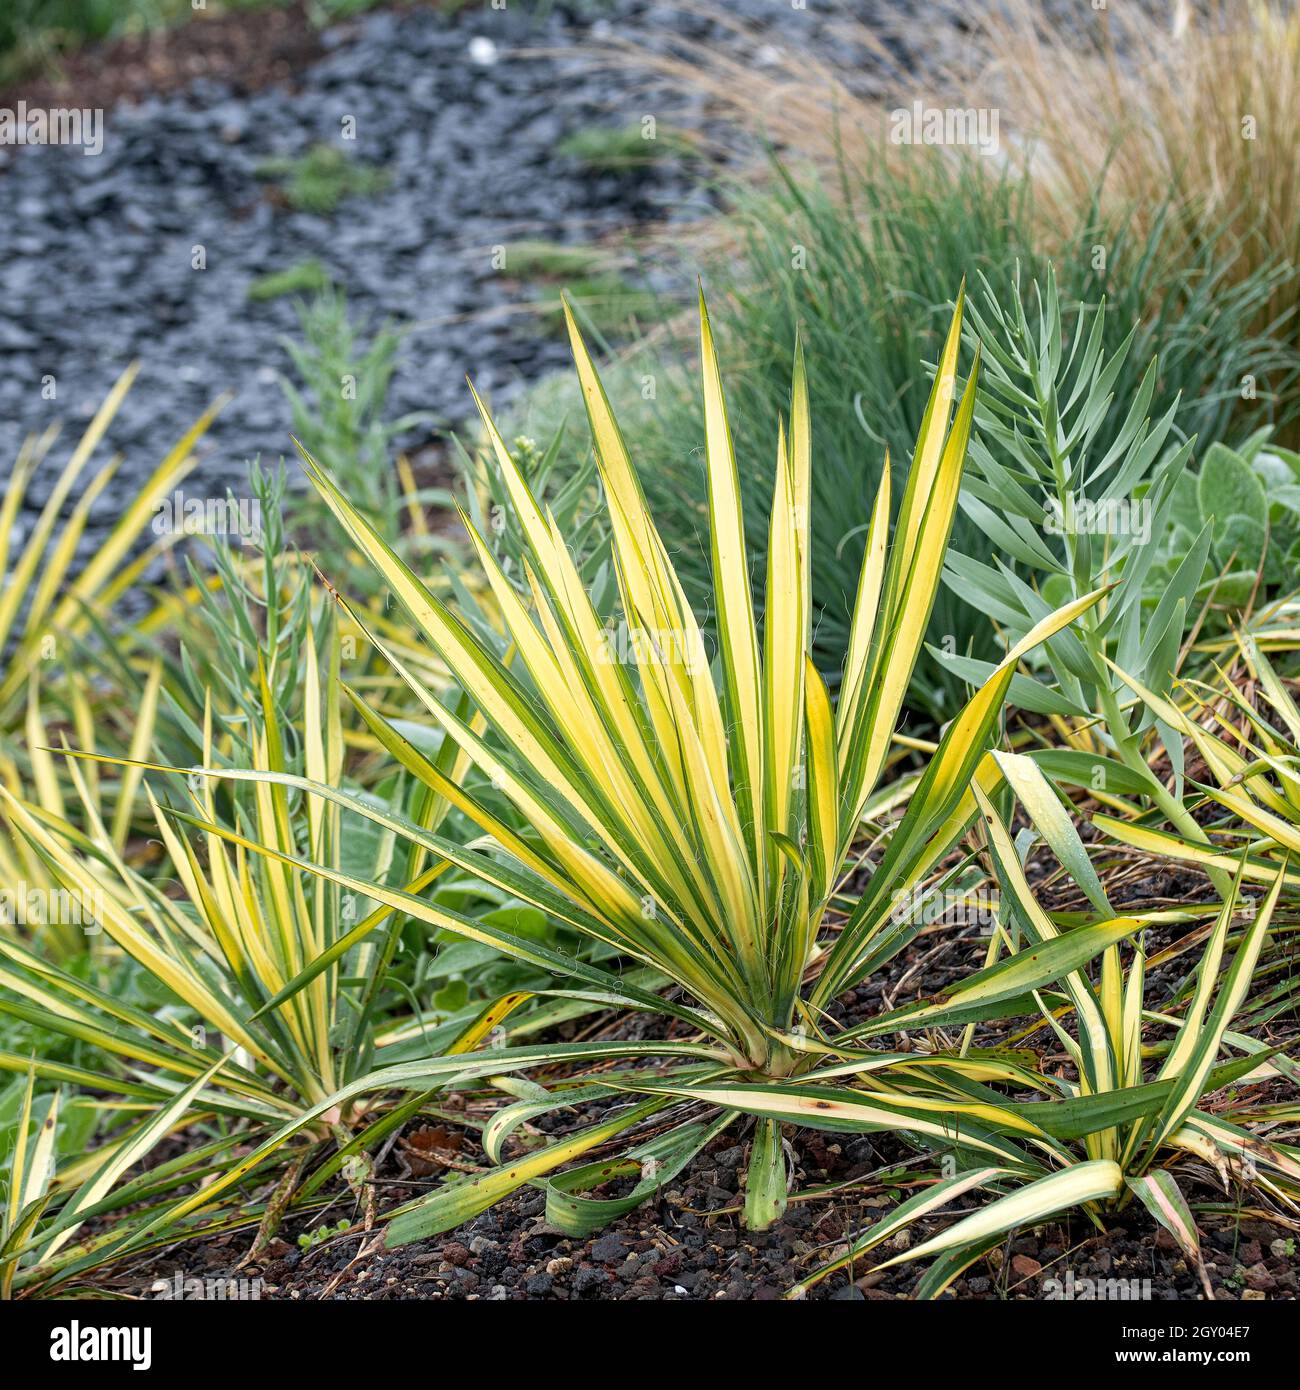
x=97 y=254
x=96 y=268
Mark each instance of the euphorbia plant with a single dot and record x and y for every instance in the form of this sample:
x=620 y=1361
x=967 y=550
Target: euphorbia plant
x=1079 y=506
x=696 y=815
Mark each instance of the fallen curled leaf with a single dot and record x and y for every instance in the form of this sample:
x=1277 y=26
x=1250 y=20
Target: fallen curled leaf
x=428 y=1148
x=434 y=1137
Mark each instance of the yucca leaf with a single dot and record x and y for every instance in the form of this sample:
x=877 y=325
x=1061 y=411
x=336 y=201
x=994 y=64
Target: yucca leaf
x=941 y=803
x=509 y=943
x=950 y=1265
x=1099 y=1064
x=54 y=604
x=332 y=954
x=30 y=1167
x=421 y=1076
x=489 y=1018
x=1279 y=696
x=866 y=613
x=1159 y=1193
x=1192 y=1065
x=1014 y=978
x=460 y=1201
x=656 y=1162
x=733 y=596
x=1093 y=771
x=1052 y=821
x=766 y=1186
x=911 y=583
x=823 y=804
x=931 y=1199
x=122 y=1158
x=843 y=1110
x=785 y=627
x=1072 y=1187
x=1201 y=1129
x=1173 y=846
x=1076 y=1117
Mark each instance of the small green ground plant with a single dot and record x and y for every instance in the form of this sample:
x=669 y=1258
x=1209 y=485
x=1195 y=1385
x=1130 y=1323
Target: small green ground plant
x=309 y=276
x=321 y=179
x=338 y=396
x=620 y=148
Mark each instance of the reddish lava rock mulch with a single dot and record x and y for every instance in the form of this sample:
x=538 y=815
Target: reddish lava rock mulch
x=689 y=1243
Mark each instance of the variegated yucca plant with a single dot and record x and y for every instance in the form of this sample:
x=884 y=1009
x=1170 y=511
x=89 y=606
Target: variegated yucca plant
x=1252 y=761
x=1118 y=1126
x=52 y=1187
x=53 y=615
x=46 y=603
x=273 y=977
x=695 y=815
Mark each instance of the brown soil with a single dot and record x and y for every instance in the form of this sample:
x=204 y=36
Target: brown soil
x=246 y=50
